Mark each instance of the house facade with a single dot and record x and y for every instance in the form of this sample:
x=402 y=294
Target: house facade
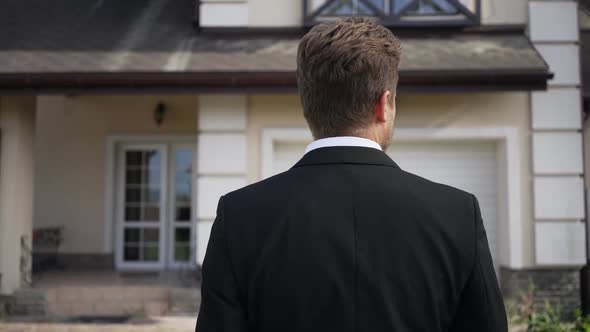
x=123 y=123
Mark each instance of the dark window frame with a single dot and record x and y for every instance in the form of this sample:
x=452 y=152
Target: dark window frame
x=400 y=19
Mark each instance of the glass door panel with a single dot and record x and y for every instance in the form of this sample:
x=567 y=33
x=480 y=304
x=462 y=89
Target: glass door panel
x=181 y=229
x=142 y=196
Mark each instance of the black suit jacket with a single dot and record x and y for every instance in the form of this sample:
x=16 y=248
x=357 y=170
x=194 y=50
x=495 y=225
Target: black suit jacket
x=347 y=241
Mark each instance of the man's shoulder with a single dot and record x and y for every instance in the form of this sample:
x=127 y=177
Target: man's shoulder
x=437 y=196
x=274 y=184
x=284 y=182
x=433 y=186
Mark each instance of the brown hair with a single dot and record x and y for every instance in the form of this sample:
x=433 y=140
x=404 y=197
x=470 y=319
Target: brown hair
x=343 y=68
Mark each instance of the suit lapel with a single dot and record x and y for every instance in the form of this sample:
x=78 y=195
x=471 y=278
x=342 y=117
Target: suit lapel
x=346 y=155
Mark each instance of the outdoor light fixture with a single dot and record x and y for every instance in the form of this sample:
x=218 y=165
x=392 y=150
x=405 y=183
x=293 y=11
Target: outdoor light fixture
x=159 y=113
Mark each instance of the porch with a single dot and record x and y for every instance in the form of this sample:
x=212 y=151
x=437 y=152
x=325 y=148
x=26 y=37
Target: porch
x=113 y=178
x=128 y=295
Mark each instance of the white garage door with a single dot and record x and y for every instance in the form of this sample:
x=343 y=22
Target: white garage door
x=464 y=165
x=470 y=166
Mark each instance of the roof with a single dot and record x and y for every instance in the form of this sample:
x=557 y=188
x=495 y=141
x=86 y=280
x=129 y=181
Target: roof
x=112 y=44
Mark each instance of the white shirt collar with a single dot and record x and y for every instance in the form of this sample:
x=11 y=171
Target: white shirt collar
x=342 y=141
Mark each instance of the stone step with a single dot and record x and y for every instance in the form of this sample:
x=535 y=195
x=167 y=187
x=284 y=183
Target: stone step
x=185 y=301
x=29 y=302
x=185 y=294
x=176 y=310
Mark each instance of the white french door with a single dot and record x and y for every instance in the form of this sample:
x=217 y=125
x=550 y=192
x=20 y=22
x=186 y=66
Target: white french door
x=154 y=206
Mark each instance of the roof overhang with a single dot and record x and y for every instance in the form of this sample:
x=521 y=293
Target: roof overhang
x=123 y=46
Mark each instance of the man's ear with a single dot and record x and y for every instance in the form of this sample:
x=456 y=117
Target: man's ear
x=381 y=107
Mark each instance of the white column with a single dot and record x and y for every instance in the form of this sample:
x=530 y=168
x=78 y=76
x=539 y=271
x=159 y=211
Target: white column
x=227 y=13
x=221 y=157
x=17 y=122
x=557 y=139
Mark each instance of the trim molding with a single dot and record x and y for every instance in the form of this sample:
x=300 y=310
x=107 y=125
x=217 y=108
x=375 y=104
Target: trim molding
x=508 y=160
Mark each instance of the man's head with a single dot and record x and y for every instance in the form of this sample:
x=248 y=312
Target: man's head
x=347 y=74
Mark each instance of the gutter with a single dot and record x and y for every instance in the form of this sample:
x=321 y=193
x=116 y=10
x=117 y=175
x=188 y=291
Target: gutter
x=414 y=81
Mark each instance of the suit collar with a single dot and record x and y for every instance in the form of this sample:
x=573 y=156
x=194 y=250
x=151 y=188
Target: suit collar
x=346 y=155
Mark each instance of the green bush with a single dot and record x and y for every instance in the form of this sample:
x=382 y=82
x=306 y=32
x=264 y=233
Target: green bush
x=523 y=312
x=582 y=323
x=546 y=320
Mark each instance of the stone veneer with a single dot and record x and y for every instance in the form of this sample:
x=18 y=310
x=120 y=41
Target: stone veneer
x=557 y=286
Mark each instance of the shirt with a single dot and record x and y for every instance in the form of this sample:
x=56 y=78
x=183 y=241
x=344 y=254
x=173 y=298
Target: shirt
x=342 y=141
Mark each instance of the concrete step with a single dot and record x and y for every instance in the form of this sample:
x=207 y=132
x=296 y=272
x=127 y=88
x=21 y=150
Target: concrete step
x=184 y=309
x=185 y=300
x=185 y=294
x=29 y=302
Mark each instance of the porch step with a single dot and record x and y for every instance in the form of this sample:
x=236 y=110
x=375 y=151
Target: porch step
x=29 y=302
x=107 y=301
x=185 y=300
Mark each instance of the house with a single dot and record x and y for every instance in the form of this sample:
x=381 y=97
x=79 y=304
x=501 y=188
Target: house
x=124 y=121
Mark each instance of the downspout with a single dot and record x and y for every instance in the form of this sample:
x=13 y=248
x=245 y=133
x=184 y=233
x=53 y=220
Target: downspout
x=585 y=273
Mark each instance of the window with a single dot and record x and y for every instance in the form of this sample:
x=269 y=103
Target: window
x=397 y=12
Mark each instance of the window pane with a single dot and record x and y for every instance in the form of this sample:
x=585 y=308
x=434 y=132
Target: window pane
x=183 y=213
x=150 y=253
x=152 y=159
x=353 y=7
x=151 y=235
x=150 y=213
x=133 y=158
x=151 y=177
x=183 y=176
x=184 y=160
x=131 y=253
x=431 y=7
x=182 y=253
x=150 y=195
x=133 y=176
x=132 y=235
x=182 y=235
x=377 y=3
x=183 y=193
x=133 y=195
x=132 y=213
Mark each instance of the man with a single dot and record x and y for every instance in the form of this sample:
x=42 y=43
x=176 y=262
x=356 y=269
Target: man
x=346 y=240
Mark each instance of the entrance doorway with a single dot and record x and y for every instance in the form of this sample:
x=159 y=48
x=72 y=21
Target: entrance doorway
x=154 y=205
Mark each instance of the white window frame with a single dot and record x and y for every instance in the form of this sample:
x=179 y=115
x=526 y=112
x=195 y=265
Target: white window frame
x=111 y=231
x=120 y=210
x=171 y=263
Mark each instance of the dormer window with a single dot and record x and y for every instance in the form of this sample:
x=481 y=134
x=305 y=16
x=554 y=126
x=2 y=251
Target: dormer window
x=397 y=12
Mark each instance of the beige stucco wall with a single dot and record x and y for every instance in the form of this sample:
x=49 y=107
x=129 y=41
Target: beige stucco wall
x=289 y=12
x=70 y=154
x=419 y=111
x=17 y=120
x=72 y=133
